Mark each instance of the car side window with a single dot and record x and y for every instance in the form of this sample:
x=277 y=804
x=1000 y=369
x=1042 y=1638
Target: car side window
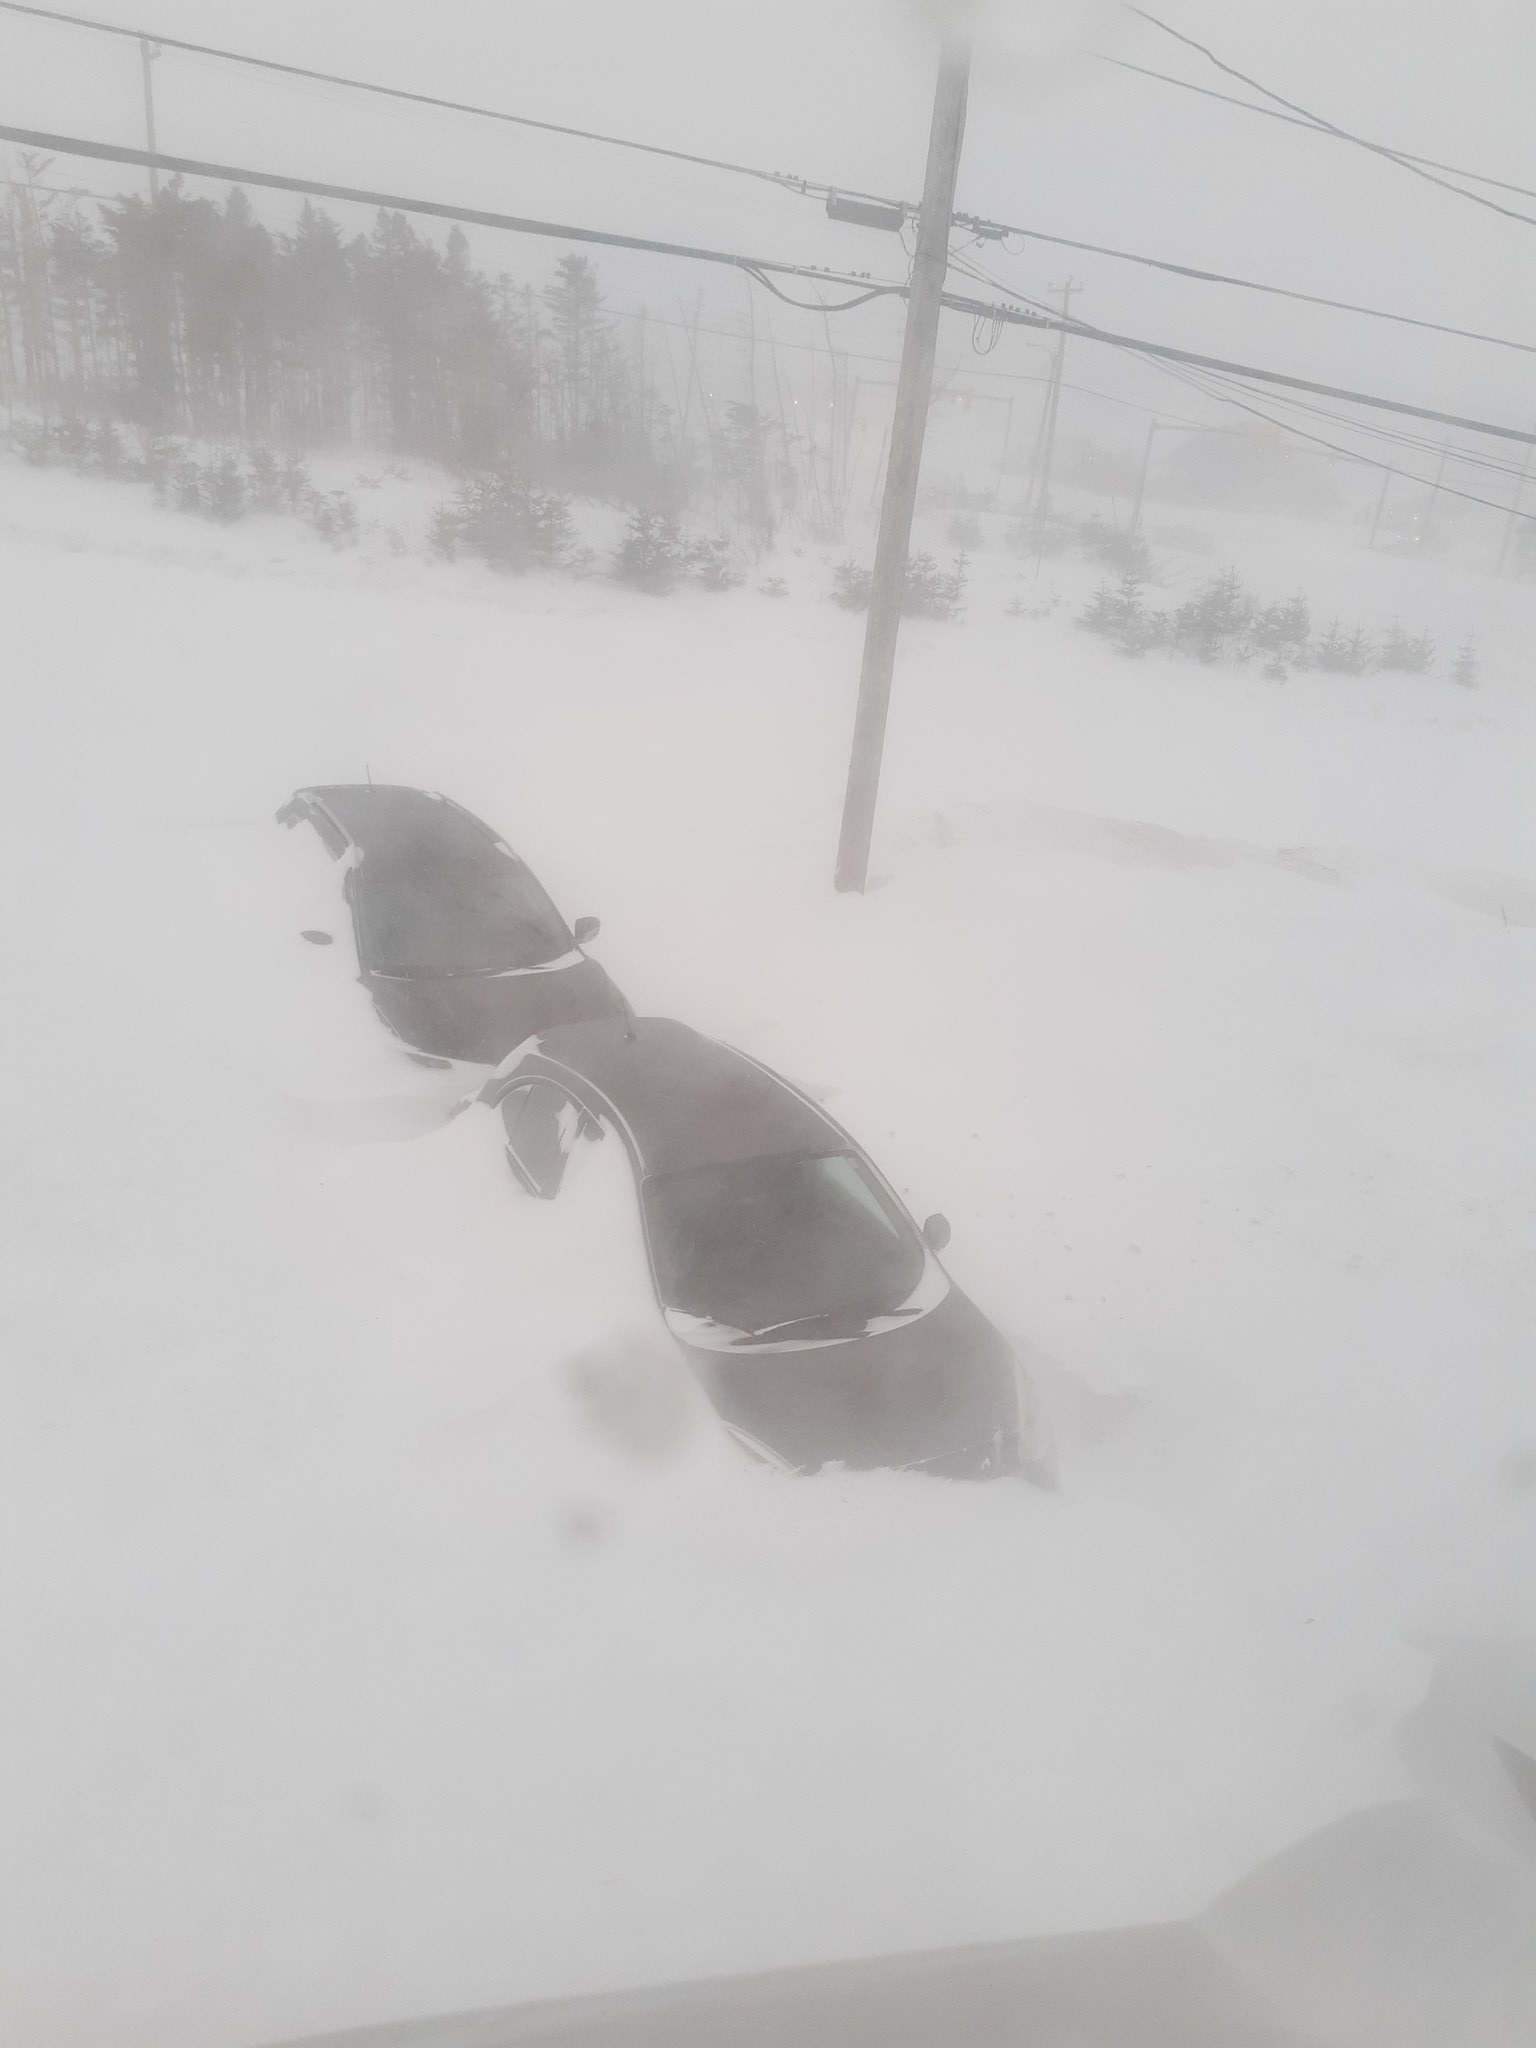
x=541 y=1124
x=331 y=837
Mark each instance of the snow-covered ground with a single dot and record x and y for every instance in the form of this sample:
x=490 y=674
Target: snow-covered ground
x=370 y=1648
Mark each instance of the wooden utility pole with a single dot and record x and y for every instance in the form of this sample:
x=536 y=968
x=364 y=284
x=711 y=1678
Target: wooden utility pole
x=1514 y=512
x=1381 y=506
x=914 y=385
x=148 y=52
x=1434 y=491
x=1141 y=479
x=159 y=367
x=874 y=489
x=1052 y=408
x=692 y=325
x=834 y=467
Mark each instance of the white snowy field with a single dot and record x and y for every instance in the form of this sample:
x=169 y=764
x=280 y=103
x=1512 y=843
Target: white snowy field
x=359 y=1661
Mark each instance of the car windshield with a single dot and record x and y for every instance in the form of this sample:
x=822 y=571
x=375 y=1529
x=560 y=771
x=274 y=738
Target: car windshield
x=762 y=1242
x=442 y=918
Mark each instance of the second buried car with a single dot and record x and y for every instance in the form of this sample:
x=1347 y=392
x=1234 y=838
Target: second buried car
x=810 y=1305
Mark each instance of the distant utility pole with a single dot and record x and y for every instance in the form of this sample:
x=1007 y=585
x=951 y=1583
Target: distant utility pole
x=1430 y=519
x=1381 y=506
x=1514 y=513
x=914 y=386
x=1141 y=479
x=148 y=52
x=1170 y=427
x=1052 y=407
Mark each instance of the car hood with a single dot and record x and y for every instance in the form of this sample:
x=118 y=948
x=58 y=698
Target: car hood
x=704 y=1333
x=482 y=1016
x=939 y=1389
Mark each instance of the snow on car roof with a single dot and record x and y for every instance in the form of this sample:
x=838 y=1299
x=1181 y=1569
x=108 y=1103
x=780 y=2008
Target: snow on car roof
x=391 y=820
x=687 y=1100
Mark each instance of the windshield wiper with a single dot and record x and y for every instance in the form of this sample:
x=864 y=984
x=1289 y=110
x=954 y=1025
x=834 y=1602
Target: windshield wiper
x=444 y=973
x=858 y=1316
x=510 y=967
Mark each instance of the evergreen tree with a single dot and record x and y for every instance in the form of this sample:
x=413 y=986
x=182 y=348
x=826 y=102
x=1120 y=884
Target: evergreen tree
x=575 y=306
x=314 y=326
x=1409 y=653
x=652 y=554
x=743 y=465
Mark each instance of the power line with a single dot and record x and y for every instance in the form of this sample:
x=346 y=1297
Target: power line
x=1419 y=444
x=790 y=182
x=1301 y=433
x=1344 y=134
x=1161 y=351
x=786 y=180
x=686 y=326
x=1223 y=391
x=1243 y=283
x=1227 y=392
x=757 y=271
x=1219 y=392
x=757 y=267
x=1123 y=255
x=1394 y=435
x=1202 y=386
x=861 y=355
x=1208 y=92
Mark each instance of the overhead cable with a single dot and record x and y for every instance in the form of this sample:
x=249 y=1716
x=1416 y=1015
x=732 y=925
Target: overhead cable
x=1319 y=121
x=1161 y=351
x=192 y=167
x=1371 y=461
x=968 y=266
x=863 y=355
x=757 y=271
x=1165 y=359
x=1248 y=284
x=865 y=287
x=1392 y=437
x=1209 y=92
x=805 y=187
x=421 y=99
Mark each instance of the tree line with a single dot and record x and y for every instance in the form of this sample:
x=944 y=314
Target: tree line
x=187 y=316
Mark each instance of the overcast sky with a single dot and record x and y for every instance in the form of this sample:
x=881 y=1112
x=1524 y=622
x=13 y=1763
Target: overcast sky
x=840 y=90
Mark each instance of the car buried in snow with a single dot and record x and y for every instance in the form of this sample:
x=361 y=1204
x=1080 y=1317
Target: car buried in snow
x=457 y=943
x=809 y=1304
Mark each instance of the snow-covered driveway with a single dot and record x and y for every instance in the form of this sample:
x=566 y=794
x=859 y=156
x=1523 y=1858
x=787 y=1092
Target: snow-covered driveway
x=350 y=1671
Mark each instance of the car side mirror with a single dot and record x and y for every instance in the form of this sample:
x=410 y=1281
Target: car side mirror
x=316 y=938
x=936 y=1233
x=585 y=929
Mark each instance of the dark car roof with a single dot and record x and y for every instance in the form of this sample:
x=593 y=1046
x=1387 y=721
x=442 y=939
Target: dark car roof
x=387 y=821
x=688 y=1100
